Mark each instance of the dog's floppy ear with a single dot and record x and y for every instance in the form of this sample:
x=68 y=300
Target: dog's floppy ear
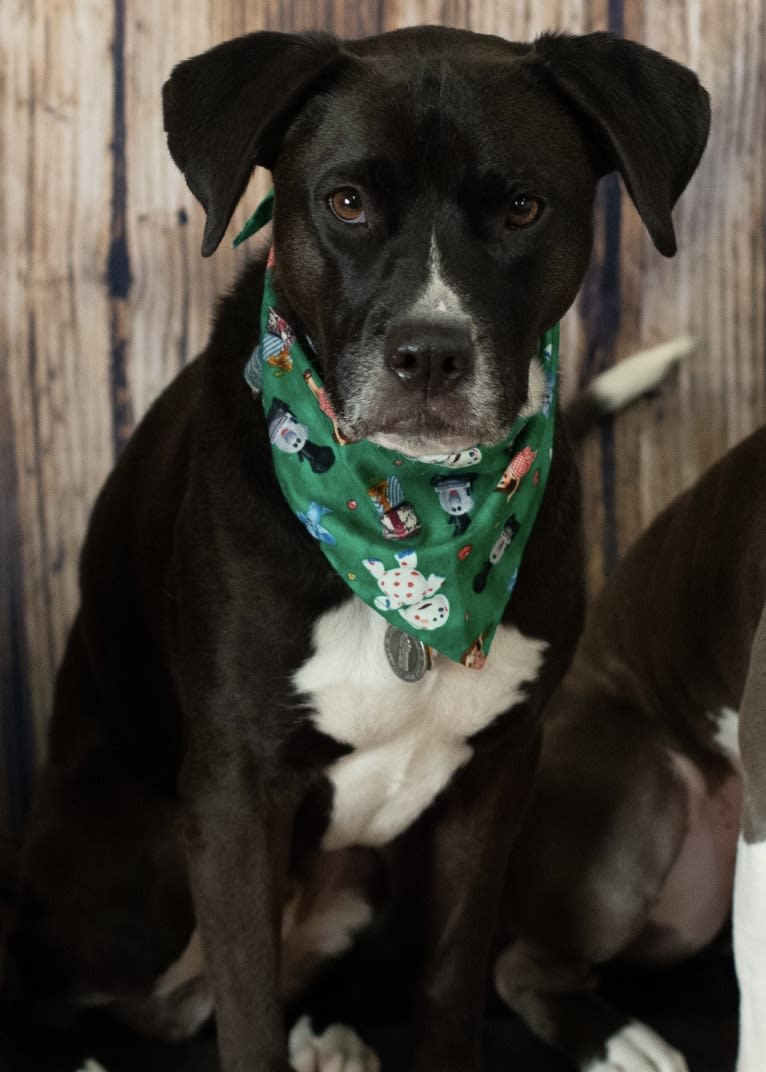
x=227 y=109
x=651 y=113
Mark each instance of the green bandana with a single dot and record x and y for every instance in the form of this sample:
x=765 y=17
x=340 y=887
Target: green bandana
x=433 y=545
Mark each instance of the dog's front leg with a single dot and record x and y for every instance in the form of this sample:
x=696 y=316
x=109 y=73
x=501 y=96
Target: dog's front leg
x=473 y=829
x=750 y=879
x=238 y=837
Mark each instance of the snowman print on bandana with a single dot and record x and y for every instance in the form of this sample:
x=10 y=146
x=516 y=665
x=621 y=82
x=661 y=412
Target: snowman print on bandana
x=406 y=589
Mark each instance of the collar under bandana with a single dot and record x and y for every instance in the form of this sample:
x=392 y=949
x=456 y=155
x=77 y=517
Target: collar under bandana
x=433 y=545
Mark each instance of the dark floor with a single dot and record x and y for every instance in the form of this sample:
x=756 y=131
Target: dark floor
x=693 y=1007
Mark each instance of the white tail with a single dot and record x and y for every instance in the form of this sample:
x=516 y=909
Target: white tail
x=626 y=382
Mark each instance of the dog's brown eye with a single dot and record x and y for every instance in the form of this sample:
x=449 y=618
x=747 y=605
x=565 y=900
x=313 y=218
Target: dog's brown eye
x=347 y=205
x=523 y=211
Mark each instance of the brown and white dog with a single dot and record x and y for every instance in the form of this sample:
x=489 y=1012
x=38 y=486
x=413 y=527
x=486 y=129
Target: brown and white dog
x=630 y=844
x=225 y=712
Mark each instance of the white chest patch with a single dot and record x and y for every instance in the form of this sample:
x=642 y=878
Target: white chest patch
x=408 y=737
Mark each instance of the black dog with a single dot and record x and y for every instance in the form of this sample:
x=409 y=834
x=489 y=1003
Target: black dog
x=219 y=714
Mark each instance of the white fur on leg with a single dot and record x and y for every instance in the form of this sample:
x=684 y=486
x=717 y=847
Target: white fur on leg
x=750 y=953
x=338 y=1049
x=91 y=1066
x=636 y=1048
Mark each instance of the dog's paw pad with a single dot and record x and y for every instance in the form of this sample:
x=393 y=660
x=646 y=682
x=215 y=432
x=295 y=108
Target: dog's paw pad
x=636 y=1048
x=338 y=1049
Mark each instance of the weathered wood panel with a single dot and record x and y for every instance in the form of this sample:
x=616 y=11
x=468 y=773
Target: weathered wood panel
x=54 y=181
x=106 y=296
x=518 y=21
x=714 y=288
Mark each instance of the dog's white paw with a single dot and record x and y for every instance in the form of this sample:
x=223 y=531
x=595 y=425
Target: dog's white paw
x=636 y=1048
x=338 y=1049
x=91 y=1066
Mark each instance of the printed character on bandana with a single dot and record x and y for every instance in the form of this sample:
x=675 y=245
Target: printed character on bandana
x=291 y=437
x=459 y=460
x=312 y=519
x=429 y=614
x=550 y=389
x=397 y=517
x=326 y=406
x=516 y=470
x=455 y=499
x=501 y=545
x=475 y=658
x=407 y=590
x=274 y=347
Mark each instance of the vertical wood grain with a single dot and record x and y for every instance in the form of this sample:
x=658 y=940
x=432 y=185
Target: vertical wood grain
x=54 y=183
x=714 y=288
x=517 y=21
x=173 y=288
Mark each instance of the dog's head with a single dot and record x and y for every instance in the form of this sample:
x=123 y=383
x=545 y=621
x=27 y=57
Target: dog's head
x=434 y=198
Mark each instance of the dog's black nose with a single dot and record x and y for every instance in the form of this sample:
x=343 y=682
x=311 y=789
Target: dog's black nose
x=429 y=355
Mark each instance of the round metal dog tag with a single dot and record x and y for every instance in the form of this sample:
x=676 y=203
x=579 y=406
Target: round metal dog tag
x=408 y=658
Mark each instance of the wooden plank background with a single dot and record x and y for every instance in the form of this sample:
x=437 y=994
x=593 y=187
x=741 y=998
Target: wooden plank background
x=104 y=295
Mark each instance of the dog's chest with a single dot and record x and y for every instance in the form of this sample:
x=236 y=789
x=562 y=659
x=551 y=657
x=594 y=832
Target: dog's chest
x=408 y=738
